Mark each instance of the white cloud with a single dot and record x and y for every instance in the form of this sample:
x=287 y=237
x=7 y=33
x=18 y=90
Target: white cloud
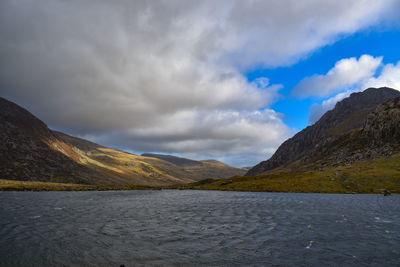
x=205 y=134
x=114 y=69
x=389 y=77
x=346 y=72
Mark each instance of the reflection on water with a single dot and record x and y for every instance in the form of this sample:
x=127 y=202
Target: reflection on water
x=172 y=227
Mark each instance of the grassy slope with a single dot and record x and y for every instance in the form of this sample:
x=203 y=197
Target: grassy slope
x=125 y=168
x=13 y=185
x=369 y=176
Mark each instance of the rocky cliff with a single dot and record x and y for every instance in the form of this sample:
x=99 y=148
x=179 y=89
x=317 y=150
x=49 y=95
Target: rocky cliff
x=321 y=141
x=378 y=137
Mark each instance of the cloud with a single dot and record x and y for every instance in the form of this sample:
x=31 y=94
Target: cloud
x=205 y=134
x=388 y=77
x=272 y=33
x=346 y=72
x=165 y=75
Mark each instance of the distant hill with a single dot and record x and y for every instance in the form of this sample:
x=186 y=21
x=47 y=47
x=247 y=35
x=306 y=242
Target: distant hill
x=336 y=139
x=30 y=151
x=197 y=170
x=174 y=160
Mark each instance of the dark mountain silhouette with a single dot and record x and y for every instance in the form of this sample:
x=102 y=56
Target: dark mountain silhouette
x=25 y=151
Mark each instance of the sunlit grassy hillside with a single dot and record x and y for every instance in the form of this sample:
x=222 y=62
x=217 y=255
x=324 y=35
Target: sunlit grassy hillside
x=368 y=176
x=30 y=151
x=123 y=168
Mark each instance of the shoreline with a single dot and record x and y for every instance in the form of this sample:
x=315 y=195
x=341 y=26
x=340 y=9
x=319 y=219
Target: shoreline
x=33 y=186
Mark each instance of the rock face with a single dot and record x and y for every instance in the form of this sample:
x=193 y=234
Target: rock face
x=383 y=125
x=30 y=151
x=323 y=139
x=378 y=137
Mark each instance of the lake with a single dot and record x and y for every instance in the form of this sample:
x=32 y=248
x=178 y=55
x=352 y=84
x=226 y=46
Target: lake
x=198 y=228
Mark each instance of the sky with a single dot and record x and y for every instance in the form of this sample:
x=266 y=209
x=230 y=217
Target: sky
x=227 y=80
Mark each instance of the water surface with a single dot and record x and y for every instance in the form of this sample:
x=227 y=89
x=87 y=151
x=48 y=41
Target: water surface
x=207 y=228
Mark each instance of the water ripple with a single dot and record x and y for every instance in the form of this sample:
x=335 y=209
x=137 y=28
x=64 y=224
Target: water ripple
x=204 y=228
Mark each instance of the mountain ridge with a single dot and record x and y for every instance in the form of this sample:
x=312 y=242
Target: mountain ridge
x=30 y=151
x=349 y=159
x=348 y=114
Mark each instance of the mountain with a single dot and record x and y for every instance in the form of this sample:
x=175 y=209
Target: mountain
x=335 y=139
x=30 y=151
x=359 y=152
x=379 y=137
x=174 y=160
x=197 y=170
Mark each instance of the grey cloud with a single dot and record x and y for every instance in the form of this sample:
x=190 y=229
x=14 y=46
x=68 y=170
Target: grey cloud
x=154 y=74
x=208 y=132
x=281 y=32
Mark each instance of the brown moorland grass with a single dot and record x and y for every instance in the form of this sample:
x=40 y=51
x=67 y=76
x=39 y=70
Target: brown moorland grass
x=13 y=185
x=367 y=176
